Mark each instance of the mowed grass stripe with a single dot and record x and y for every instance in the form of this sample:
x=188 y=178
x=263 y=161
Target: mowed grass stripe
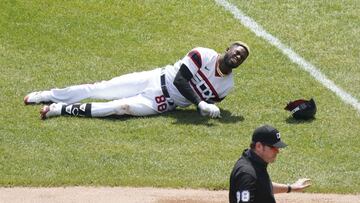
x=294 y=57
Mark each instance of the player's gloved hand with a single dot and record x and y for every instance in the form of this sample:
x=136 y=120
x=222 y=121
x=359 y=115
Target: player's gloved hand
x=207 y=109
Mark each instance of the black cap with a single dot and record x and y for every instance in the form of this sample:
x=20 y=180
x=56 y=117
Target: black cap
x=268 y=135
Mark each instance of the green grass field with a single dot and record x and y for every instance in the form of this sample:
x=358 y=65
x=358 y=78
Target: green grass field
x=46 y=44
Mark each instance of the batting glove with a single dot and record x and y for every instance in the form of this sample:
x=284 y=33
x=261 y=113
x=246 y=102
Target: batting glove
x=207 y=109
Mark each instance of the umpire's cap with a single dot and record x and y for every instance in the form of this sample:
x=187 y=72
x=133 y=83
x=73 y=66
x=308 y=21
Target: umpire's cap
x=302 y=109
x=268 y=135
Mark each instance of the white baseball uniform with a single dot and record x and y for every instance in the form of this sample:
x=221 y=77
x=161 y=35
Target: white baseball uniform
x=150 y=92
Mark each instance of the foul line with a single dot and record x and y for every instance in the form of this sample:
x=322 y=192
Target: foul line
x=294 y=57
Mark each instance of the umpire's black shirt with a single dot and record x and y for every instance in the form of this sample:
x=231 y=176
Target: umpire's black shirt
x=250 y=181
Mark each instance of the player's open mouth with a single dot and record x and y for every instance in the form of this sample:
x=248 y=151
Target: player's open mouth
x=234 y=60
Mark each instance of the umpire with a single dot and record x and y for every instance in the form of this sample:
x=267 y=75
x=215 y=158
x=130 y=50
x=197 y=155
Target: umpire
x=249 y=180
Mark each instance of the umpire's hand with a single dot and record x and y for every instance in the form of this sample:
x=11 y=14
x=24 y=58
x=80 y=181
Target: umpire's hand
x=300 y=185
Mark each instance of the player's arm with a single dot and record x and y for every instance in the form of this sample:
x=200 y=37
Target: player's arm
x=181 y=82
x=245 y=187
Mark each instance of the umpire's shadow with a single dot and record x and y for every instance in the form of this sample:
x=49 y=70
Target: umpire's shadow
x=191 y=116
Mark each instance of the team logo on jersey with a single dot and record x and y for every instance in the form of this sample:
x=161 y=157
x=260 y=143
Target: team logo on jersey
x=203 y=87
x=203 y=90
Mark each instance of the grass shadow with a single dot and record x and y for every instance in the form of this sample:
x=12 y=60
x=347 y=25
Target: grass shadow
x=292 y=120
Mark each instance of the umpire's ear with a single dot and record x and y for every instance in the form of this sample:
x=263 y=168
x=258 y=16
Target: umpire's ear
x=258 y=146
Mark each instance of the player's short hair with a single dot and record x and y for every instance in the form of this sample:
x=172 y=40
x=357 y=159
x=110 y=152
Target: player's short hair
x=242 y=44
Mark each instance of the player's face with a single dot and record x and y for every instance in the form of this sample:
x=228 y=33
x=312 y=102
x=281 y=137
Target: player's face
x=268 y=153
x=235 y=56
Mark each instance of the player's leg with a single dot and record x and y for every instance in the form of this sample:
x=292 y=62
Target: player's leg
x=135 y=106
x=58 y=109
x=126 y=86
x=117 y=88
x=149 y=103
x=67 y=95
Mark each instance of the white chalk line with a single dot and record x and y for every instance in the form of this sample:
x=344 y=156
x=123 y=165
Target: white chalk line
x=294 y=57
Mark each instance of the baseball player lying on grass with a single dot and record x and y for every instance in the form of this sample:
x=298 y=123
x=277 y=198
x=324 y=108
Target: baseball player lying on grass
x=202 y=77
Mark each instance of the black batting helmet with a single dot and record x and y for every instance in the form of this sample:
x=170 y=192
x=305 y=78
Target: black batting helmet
x=302 y=109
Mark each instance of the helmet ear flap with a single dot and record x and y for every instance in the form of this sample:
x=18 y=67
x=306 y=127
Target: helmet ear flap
x=302 y=109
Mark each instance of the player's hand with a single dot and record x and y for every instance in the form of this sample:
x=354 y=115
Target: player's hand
x=300 y=185
x=207 y=109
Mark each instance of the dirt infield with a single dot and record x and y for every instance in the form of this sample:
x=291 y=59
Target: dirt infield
x=155 y=195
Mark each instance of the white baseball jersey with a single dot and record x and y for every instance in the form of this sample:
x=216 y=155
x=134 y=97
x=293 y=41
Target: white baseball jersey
x=141 y=93
x=206 y=82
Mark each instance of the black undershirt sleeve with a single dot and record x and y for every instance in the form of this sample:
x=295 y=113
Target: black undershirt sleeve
x=181 y=82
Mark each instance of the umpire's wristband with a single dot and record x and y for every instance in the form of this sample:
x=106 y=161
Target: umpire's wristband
x=288 y=188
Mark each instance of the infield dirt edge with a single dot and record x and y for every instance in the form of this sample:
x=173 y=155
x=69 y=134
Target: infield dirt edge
x=148 y=194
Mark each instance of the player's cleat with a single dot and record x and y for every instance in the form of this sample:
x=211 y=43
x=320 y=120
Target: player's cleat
x=36 y=98
x=51 y=110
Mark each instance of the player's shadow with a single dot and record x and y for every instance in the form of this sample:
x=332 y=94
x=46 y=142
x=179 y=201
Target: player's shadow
x=191 y=116
x=186 y=116
x=292 y=120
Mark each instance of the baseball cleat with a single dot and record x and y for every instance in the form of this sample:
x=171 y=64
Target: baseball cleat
x=51 y=110
x=35 y=98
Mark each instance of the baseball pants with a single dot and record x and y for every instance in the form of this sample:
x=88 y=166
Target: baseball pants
x=137 y=94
